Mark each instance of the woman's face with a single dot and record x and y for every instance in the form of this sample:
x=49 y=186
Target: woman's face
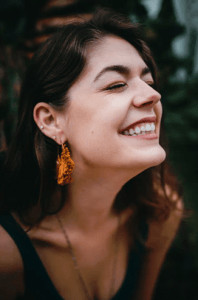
x=113 y=119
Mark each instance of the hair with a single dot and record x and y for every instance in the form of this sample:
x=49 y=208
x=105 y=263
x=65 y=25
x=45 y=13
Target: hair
x=29 y=177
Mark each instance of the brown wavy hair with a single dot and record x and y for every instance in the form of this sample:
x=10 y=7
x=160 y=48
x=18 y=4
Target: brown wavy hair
x=29 y=173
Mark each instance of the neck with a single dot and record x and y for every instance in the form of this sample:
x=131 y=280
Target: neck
x=90 y=201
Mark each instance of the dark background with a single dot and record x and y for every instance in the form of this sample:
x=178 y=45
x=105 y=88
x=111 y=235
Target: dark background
x=24 y=24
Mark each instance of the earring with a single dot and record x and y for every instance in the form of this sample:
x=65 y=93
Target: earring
x=65 y=166
x=41 y=127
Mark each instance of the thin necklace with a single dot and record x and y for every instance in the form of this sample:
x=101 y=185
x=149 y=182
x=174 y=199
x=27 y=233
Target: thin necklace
x=77 y=268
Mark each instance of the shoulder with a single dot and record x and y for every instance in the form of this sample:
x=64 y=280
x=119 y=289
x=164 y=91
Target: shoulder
x=11 y=267
x=162 y=233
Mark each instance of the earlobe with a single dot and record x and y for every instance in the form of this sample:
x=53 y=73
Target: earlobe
x=45 y=116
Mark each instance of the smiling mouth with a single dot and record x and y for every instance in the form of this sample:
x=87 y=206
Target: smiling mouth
x=140 y=129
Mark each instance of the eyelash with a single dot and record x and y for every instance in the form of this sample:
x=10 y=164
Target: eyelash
x=151 y=84
x=122 y=85
x=116 y=86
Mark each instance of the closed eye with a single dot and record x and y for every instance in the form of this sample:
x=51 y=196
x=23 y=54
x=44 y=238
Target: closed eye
x=116 y=86
x=151 y=84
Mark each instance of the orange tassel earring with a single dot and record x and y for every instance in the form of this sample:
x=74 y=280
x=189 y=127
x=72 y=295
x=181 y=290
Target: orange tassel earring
x=65 y=166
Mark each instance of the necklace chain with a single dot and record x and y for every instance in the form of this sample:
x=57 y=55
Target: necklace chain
x=77 y=268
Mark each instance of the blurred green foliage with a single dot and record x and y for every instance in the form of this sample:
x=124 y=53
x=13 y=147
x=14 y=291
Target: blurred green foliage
x=178 y=278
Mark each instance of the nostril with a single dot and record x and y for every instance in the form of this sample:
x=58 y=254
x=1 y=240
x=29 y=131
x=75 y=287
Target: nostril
x=147 y=103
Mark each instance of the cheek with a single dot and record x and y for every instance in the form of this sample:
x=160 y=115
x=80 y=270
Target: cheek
x=93 y=131
x=158 y=110
x=95 y=115
x=84 y=123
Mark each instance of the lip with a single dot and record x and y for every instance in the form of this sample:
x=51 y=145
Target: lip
x=147 y=136
x=147 y=119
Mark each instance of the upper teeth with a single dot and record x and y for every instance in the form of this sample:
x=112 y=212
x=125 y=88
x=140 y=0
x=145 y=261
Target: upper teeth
x=140 y=129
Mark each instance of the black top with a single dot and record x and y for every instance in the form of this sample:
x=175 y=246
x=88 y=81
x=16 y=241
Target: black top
x=38 y=285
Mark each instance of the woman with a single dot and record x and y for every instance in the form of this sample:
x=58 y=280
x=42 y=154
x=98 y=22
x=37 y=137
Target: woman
x=99 y=216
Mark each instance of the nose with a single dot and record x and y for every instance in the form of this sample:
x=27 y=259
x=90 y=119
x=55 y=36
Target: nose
x=146 y=96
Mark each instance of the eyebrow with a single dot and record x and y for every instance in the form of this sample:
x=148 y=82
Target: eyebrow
x=124 y=70
x=145 y=71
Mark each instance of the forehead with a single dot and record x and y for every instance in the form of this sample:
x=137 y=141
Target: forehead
x=113 y=50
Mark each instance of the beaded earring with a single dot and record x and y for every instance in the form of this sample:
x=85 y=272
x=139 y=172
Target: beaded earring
x=65 y=166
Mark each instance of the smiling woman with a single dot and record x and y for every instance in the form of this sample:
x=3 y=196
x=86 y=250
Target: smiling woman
x=90 y=117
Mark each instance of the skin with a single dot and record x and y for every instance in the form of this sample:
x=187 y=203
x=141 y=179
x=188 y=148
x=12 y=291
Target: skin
x=101 y=105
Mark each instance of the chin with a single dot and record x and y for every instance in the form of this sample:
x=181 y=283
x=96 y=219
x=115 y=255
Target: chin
x=156 y=157
x=150 y=158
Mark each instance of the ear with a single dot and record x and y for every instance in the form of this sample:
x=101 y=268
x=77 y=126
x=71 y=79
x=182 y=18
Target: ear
x=47 y=119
